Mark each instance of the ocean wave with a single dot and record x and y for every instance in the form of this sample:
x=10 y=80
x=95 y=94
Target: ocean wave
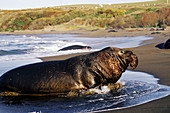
x=16 y=47
x=14 y=52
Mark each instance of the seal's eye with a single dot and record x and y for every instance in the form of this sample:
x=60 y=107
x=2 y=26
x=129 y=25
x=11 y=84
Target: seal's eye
x=121 y=52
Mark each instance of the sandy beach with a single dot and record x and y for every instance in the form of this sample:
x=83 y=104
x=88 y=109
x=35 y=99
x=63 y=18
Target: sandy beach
x=156 y=62
x=152 y=59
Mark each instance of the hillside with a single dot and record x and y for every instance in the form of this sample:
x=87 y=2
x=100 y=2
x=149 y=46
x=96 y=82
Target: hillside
x=146 y=14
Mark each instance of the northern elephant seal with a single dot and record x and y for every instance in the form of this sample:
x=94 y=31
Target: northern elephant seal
x=74 y=47
x=76 y=73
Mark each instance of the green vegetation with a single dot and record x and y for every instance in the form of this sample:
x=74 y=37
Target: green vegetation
x=146 y=14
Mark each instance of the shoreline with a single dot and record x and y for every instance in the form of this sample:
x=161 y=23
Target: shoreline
x=152 y=60
x=107 y=32
x=147 y=46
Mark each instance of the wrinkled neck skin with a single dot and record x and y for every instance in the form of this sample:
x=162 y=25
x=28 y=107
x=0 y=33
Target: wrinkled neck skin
x=111 y=66
x=97 y=68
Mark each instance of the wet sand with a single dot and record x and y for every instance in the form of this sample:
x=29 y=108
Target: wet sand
x=156 y=62
x=152 y=60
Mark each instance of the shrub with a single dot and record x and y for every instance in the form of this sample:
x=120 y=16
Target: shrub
x=114 y=12
x=106 y=13
x=130 y=22
x=131 y=10
x=164 y=14
x=101 y=17
x=34 y=15
x=167 y=21
x=150 y=19
x=153 y=19
x=21 y=22
x=40 y=23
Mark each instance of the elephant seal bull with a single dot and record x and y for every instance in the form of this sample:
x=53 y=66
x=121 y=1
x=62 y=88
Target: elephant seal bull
x=76 y=73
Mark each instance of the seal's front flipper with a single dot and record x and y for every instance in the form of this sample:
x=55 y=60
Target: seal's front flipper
x=73 y=93
x=9 y=94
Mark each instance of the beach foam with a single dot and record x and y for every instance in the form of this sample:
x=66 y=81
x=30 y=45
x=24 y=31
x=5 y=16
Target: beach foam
x=21 y=47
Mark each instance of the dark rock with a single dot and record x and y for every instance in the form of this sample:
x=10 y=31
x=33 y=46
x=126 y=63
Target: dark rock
x=156 y=33
x=159 y=45
x=94 y=30
x=108 y=28
x=166 y=45
x=152 y=29
x=112 y=30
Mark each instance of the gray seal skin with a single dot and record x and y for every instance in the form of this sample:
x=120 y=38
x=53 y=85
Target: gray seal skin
x=73 y=47
x=76 y=73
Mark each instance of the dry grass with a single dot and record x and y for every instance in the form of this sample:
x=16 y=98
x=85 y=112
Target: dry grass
x=88 y=15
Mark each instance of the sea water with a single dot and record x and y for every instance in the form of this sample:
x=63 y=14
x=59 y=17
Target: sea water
x=17 y=50
x=21 y=47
